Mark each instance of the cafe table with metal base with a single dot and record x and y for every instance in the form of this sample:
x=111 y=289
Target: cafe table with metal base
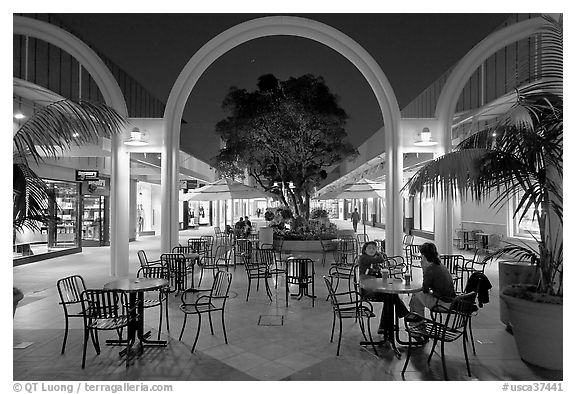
x=135 y=287
x=385 y=290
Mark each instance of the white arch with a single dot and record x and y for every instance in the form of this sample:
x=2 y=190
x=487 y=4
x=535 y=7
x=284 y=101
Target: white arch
x=448 y=99
x=113 y=97
x=273 y=26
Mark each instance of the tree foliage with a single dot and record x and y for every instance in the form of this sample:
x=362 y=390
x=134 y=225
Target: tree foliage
x=285 y=131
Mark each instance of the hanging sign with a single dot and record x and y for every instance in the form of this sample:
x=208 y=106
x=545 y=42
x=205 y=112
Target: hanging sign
x=87 y=175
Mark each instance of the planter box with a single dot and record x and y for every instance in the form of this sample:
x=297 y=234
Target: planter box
x=512 y=273
x=302 y=246
x=537 y=330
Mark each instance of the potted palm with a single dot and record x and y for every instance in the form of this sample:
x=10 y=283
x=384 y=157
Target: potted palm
x=520 y=157
x=51 y=130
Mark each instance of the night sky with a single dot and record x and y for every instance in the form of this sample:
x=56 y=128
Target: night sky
x=413 y=50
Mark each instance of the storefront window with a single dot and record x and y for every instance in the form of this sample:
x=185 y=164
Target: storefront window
x=61 y=230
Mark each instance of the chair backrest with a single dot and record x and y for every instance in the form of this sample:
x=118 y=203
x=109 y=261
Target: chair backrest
x=243 y=245
x=453 y=262
x=407 y=239
x=217 y=231
x=104 y=304
x=331 y=293
x=362 y=238
x=158 y=272
x=396 y=266
x=185 y=249
x=70 y=289
x=221 y=284
x=224 y=253
x=266 y=256
x=464 y=305
x=142 y=258
x=197 y=245
x=174 y=261
x=412 y=253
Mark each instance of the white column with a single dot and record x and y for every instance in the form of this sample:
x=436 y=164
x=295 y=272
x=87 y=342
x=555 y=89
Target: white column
x=169 y=179
x=394 y=168
x=119 y=207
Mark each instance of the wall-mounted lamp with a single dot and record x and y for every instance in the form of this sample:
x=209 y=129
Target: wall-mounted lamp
x=425 y=138
x=137 y=138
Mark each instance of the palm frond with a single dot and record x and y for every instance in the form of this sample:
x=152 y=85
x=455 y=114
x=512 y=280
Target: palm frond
x=30 y=198
x=65 y=123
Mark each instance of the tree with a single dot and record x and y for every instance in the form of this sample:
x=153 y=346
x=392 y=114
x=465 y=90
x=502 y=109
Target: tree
x=285 y=131
x=51 y=130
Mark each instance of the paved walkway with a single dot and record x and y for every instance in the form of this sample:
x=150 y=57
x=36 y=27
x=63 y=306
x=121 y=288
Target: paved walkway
x=267 y=340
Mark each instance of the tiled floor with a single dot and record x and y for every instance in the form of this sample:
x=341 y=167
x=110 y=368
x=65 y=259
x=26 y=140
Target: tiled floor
x=297 y=349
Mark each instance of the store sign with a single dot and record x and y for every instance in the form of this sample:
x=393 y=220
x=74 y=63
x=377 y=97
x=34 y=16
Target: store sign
x=87 y=175
x=192 y=184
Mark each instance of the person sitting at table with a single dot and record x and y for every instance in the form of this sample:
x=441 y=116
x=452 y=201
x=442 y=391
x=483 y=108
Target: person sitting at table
x=247 y=226
x=239 y=228
x=370 y=263
x=436 y=283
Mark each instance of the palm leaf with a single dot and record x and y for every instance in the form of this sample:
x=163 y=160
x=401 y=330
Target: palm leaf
x=65 y=123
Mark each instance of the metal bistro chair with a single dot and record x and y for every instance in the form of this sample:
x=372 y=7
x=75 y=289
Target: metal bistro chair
x=328 y=246
x=70 y=289
x=407 y=239
x=156 y=298
x=178 y=271
x=144 y=262
x=220 y=259
x=208 y=247
x=105 y=310
x=242 y=247
x=187 y=251
x=341 y=272
x=275 y=267
x=455 y=264
x=349 y=305
x=257 y=270
x=300 y=271
x=196 y=303
x=346 y=251
x=454 y=326
x=396 y=266
x=413 y=256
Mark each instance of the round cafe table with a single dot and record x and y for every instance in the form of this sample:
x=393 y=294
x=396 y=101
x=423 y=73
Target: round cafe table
x=135 y=287
x=387 y=290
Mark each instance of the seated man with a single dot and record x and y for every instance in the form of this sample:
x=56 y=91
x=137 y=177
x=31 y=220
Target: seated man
x=239 y=228
x=247 y=226
x=437 y=282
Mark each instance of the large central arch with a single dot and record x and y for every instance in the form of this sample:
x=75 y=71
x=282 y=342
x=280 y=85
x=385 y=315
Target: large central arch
x=274 y=26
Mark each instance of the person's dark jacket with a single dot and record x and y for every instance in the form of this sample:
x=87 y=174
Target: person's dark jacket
x=480 y=283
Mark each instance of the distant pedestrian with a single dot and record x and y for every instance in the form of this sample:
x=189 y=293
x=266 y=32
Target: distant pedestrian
x=258 y=212
x=355 y=219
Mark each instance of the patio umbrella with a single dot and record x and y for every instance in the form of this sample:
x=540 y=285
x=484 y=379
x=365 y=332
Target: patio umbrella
x=328 y=195
x=364 y=188
x=224 y=189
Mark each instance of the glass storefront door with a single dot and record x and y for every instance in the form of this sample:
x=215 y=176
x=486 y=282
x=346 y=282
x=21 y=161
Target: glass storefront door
x=94 y=221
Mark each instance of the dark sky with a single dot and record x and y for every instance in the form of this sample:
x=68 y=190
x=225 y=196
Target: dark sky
x=413 y=50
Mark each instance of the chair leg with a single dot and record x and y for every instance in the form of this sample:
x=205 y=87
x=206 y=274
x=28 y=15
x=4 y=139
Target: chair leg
x=443 y=361
x=466 y=354
x=224 y=328
x=333 y=325
x=201 y=275
x=160 y=323
x=407 y=355
x=96 y=341
x=167 y=320
x=248 y=292
x=65 y=335
x=339 y=336
x=268 y=291
x=286 y=293
x=370 y=336
x=197 y=332
x=471 y=336
x=183 y=325
x=432 y=350
x=84 y=347
x=210 y=320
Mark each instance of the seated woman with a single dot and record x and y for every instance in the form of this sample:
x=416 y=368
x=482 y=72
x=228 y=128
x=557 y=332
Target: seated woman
x=437 y=282
x=370 y=263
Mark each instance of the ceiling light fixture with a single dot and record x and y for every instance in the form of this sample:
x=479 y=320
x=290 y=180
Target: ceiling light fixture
x=137 y=138
x=19 y=115
x=425 y=138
